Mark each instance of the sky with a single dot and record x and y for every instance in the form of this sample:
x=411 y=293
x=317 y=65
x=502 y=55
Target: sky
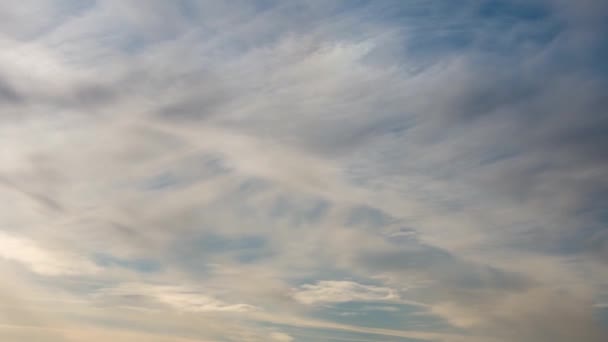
x=320 y=170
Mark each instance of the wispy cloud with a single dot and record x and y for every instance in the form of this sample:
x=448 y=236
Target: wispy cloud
x=342 y=291
x=180 y=298
x=438 y=162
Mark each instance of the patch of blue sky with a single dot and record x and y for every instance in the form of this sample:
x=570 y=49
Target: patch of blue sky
x=368 y=217
x=161 y=181
x=216 y=243
x=252 y=186
x=198 y=252
x=598 y=59
x=435 y=30
x=297 y=210
x=591 y=238
x=143 y=265
x=601 y=315
x=413 y=255
x=394 y=230
x=498 y=156
x=380 y=315
x=186 y=172
x=521 y=10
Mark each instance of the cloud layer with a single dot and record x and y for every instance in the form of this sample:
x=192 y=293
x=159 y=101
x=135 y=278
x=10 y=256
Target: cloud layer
x=303 y=171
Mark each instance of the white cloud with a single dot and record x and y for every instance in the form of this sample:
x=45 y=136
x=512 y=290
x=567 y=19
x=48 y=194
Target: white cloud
x=178 y=297
x=43 y=260
x=333 y=291
x=280 y=337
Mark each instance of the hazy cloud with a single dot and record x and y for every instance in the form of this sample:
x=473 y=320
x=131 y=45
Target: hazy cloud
x=263 y=161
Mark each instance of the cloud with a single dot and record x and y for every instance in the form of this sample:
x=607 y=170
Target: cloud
x=41 y=260
x=277 y=336
x=528 y=316
x=180 y=298
x=335 y=291
x=449 y=155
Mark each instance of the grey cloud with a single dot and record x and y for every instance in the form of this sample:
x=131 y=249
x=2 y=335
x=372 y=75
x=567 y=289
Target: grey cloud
x=8 y=94
x=446 y=270
x=42 y=199
x=548 y=316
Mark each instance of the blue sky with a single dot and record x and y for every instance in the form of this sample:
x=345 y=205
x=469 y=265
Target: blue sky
x=188 y=171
